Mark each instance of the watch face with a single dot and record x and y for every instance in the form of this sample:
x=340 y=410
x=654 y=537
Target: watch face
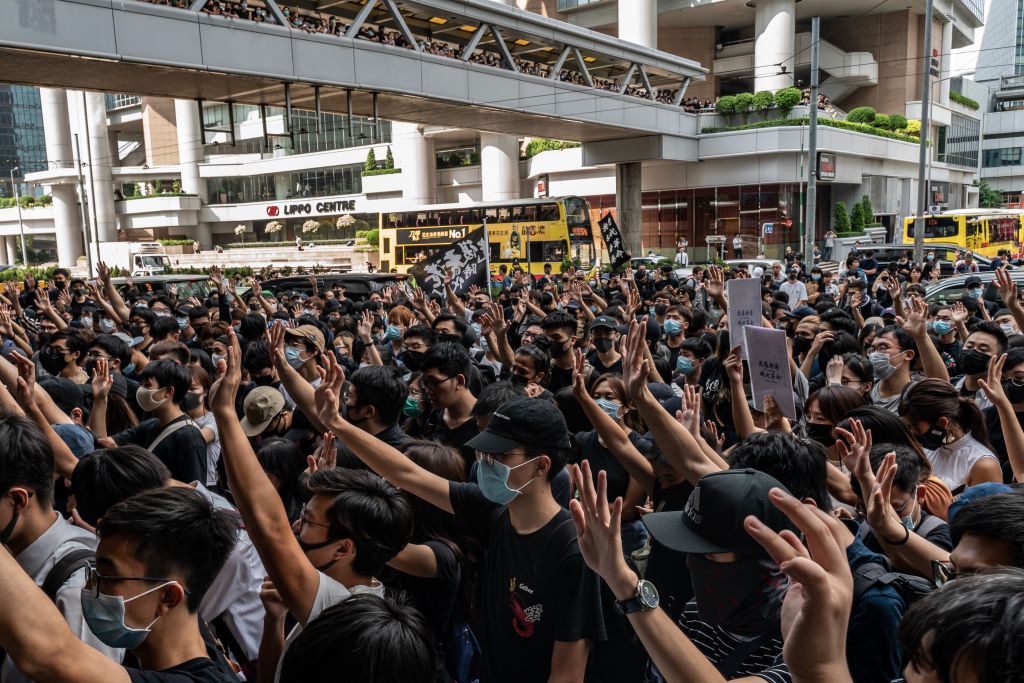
x=648 y=594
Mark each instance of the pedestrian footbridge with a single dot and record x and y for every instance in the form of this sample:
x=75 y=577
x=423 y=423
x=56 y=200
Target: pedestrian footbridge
x=465 y=63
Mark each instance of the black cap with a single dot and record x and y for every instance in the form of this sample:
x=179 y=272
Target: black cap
x=522 y=421
x=712 y=521
x=972 y=280
x=604 y=321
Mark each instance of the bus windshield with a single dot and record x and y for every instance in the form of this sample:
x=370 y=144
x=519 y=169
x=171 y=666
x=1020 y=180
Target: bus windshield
x=935 y=227
x=577 y=219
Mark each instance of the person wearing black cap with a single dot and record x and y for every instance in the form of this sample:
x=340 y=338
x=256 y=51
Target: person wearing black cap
x=560 y=328
x=539 y=606
x=605 y=357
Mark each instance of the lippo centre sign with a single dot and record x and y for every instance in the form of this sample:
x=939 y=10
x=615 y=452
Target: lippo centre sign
x=312 y=208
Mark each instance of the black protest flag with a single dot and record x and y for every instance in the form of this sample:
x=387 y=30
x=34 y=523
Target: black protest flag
x=466 y=260
x=613 y=240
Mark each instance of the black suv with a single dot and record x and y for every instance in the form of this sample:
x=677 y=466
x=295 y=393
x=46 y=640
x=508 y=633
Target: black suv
x=358 y=286
x=945 y=255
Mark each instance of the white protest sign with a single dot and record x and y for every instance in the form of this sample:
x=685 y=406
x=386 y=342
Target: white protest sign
x=769 y=369
x=744 y=309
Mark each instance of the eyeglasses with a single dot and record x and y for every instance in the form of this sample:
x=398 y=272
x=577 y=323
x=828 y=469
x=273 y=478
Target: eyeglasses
x=432 y=384
x=94 y=580
x=489 y=458
x=306 y=521
x=97 y=355
x=900 y=508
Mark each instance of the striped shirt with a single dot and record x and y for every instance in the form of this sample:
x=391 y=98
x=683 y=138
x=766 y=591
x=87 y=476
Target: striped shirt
x=717 y=644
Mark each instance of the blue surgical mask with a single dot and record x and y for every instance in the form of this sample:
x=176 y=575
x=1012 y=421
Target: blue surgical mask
x=128 y=369
x=815 y=276
x=1008 y=329
x=610 y=407
x=294 y=357
x=105 y=616
x=941 y=327
x=974 y=292
x=650 y=310
x=673 y=327
x=685 y=365
x=106 y=325
x=908 y=522
x=492 y=478
x=476 y=328
x=394 y=332
x=182 y=323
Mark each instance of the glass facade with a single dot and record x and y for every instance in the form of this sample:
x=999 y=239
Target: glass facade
x=572 y=4
x=317 y=182
x=1003 y=156
x=120 y=99
x=1018 y=55
x=958 y=142
x=22 y=144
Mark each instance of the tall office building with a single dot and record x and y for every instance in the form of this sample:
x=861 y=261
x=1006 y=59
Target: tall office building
x=22 y=144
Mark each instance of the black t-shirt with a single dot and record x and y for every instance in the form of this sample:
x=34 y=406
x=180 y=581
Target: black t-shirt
x=534 y=589
x=433 y=597
x=998 y=441
x=666 y=568
x=456 y=437
x=715 y=392
x=600 y=368
x=192 y=671
x=183 y=451
x=393 y=436
x=589 y=448
x=559 y=378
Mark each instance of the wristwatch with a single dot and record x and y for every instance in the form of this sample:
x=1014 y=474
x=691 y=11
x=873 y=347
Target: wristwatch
x=646 y=598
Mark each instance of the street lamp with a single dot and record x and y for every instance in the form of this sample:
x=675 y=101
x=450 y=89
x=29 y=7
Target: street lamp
x=21 y=224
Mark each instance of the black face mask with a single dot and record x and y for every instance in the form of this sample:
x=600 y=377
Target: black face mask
x=413 y=359
x=744 y=596
x=191 y=402
x=346 y=413
x=1014 y=392
x=822 y=433
x=264 y=380
x=518 y=380
x=660 y=309
x=60 y=284
x=558 y=349
x=52 y=360
x=8 y=530
x=974 y=362
x=603 y=345
x=307 y=547
x=136 y=331
x=802 y=344
x=932 y=439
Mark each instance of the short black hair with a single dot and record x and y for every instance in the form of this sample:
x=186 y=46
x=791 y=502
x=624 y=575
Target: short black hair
x=450 y=358
x=460 y=324
x=697 y=346
x=999 y=517
x=107 y=476
x=903 y=337
x=163 y=327
x=992 y=328
x=798 y=464
x=382 y=387
x=256 y=357
x=839 y=320
x=252 y=327
x=375 y=515
x=908 y=467
x=493 y=395
x=26 y=458
x=372 y=639
x=147 y=315
x=975 y=621
x=169 y=373
x=78 y=342
x=115 y=347
x=421 y=332
x=161 y=299
x=559 y=320
x=175 y=530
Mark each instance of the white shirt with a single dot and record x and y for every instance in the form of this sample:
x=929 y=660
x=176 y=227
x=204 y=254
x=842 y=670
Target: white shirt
x=682 y=258
x=328 y=594
x=37 y=560
x=952 y=463
x=737 y=242
x=796 y=291
x=212 y=448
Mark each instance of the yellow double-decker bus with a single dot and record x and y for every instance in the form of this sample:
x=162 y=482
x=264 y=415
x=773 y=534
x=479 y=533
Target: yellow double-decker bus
x=530 y=233
x=983 y=231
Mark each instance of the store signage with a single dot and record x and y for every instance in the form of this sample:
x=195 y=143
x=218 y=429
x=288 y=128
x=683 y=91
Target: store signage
x=311 y=208
x=826 y=169
x=439 y=235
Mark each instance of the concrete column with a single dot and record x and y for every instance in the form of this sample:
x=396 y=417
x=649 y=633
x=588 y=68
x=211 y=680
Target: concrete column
x=945 y=59
x=281 y=186
x=629 y=205
x=3 y=258
x=499 y=167
x=94 y=144
x=67 y=219
x=190 y=154
x=638 y=22
x=414 y=154
x=774 y=37
x=11 y=244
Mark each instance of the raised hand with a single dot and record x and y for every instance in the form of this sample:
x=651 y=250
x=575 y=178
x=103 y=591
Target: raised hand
x=496 y=313
x=689 y=416
x=579 y=386
x=734 y=366
x=325 y=457
x=64 y=299
x=217 y=278
x=716 y=440
x=327 y=396
x=959 y=312
x=597 y=528
x=102 y=273
x=834 y=370
x=365 y=327
x=715 y=285
x=917 y=316
x=1007 y=288
x=102 y=380
x=275 y=341
x=816 y=609
x=634 y=361
x=225 y=391
x=994 y=385
x=42 y=301
x=855 y=449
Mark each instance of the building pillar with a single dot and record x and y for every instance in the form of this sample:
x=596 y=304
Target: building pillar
x=67 y=220
x=499 y=167
x=11 y=244
x=281 y=186
x=190 y=154
x=414 y=154
x=638 y=22
x=90 y=111
x=774 y=38
x=629 y=205
x=945 y=59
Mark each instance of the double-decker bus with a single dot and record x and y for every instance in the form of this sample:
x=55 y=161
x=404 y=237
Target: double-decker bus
x=983 y=231
x=530 y=233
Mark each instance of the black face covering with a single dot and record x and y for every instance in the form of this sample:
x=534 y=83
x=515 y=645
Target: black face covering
x=802 y=344
x=822 y=433
x=518 y=380
x=603 y=345
x=263 y=380
x=744 y=597
x=8 y=530
x=1014 y=392
x=52 y=360
x=932 y=439
x=660 y=309
x=413 y=359
x=191 y=402
x=974 y=362
x=558 y=349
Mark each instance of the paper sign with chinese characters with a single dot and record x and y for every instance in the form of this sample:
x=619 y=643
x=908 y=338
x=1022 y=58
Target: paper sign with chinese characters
x=769 y=369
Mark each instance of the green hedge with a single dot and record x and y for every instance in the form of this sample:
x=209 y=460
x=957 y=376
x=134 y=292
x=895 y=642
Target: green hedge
x=381 y=171
x=283 y=243
x=156 y=196
x=538 y=145
x=229 y=271
x=19 y=273
x=858 y=127
x=27 y=201
x=176 y=243
x=963 y=100
x=861 y=115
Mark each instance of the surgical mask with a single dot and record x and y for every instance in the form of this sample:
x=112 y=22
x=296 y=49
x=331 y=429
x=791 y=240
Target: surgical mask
x=931 y=257
x=182 y=323
x=128 y=369
x=941 y=327
x=216 y=358
x=106 y=325
x=974 y=292
x=908 y=522
x=611 y=408
x=881 y=365
x=685 y=365
x=163 y=314
x=394 y=332
x=146 y=398
x=492 y=478
x=974 y=362
x=815 y=276
x=412 y=407
x=105 y=616
x=673 y=327
x=603 y=345
x=86 y=322
x=822 y=433
x=294 y=357
x=1008 y=329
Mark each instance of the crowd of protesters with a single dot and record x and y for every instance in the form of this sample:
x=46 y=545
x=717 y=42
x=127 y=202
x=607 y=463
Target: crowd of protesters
x=556 y=477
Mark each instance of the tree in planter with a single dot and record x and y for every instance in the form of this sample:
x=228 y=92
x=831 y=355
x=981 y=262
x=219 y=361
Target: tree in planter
x=897 y=121
x=786 y=99
x=857 y=218
x=726 y=105
x=389 y=160
x=763 y=100
x=176 y=187
x=371 y=161
x=841 y=219
x=861 y=115
x=989 y=198
x=744 y=101
x=882 y=121
x=867 y=210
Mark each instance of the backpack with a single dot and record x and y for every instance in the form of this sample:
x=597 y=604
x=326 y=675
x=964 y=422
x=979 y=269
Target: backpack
x=910 y=587
x=64 y=568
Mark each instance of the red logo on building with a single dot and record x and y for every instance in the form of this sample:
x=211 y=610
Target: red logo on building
x=273 y=211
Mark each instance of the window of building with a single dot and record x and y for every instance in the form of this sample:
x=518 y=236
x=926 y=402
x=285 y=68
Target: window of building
x=958 y=143
x=1003 y=156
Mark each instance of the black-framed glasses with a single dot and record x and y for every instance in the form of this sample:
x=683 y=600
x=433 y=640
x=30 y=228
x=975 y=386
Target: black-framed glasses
x=94 y=580
x=899 y=509
x=431 y=384
x=304 y=520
